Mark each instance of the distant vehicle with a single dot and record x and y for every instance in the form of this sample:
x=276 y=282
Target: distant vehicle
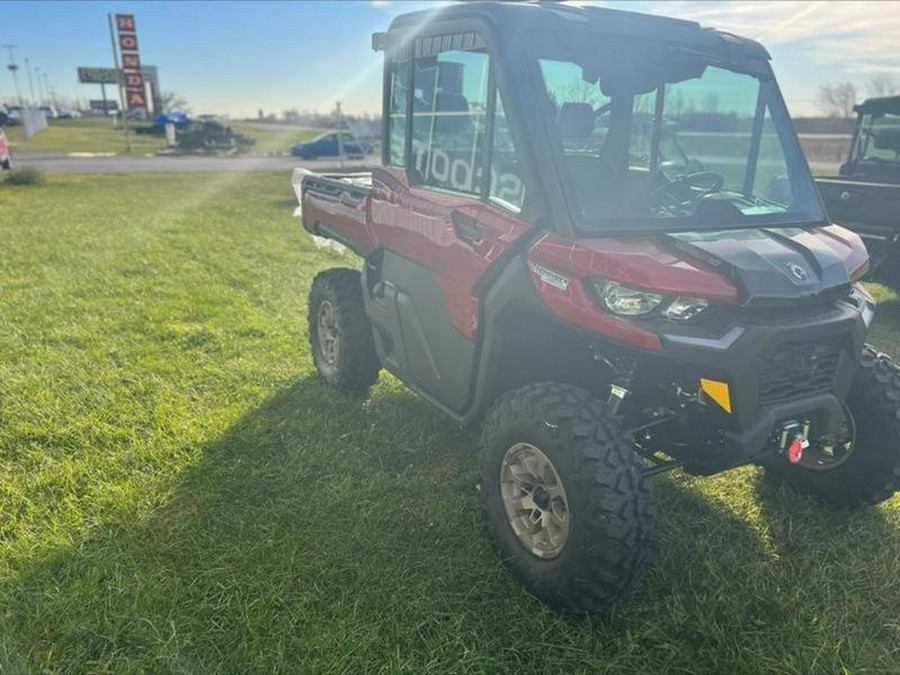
x=326 y=145
x=67 y=114
x=5 y=162
x=51 y=112
x=865 y=196
x=181 y=120
x=13 y=115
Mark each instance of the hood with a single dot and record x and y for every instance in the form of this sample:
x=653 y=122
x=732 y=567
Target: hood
x=777 y=266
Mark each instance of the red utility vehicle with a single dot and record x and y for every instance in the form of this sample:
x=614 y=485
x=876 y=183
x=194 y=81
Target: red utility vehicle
x=594 y=234
x=5 y=163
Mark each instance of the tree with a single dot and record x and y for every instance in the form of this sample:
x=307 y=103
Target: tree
x=882 y=85
x=837 y=100
x=170 y=101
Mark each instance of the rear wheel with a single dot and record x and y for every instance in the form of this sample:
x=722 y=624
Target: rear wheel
x=564 y=497
x=339 y=332
x=861 y=465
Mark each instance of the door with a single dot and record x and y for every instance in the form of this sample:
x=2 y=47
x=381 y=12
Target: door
x=439 y=217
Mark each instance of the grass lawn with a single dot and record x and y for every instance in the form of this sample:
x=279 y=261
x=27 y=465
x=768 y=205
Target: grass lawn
x=179 y=494
x=82 y=135
x=274 y=139
x=97 y=135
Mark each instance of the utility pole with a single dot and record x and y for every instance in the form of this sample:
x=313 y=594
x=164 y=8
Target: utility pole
x=37 y=74
x=340 y=128
x=13 y=68
x=47 y=86
x=30 y=83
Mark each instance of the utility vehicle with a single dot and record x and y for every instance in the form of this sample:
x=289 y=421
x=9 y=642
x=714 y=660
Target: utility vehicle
x=5 y=162
x=865 y=196
x=594 y=234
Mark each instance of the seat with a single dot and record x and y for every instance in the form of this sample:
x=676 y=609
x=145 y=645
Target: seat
x=451 y=114
x=575 y=120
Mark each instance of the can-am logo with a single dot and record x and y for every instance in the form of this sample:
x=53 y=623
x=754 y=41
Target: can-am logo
x=798 y=272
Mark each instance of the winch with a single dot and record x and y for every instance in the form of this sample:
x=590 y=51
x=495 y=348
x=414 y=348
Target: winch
x=794 y=439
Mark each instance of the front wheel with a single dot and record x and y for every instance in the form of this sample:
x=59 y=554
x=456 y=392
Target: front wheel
x=863 y=466
x=564 y=497
x=339 y=331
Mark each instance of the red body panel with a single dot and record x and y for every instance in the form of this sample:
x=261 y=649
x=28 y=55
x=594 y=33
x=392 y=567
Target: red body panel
x=639 y=263
x=416 y=223
x=574 y=305
x=345 y=213
x=849 y=246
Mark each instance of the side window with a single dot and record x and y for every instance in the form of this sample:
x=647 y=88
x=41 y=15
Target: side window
x=507 y=188
x=397 y=114
x=449 y=110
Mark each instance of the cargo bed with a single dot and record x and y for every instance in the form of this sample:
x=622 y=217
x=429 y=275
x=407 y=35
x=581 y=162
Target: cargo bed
x=339 y=199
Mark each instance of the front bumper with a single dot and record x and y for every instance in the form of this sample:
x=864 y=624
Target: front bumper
x=779 y=365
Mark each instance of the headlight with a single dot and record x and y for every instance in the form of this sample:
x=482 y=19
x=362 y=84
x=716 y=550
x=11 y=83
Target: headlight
x=622 y=300
x=625 y=301
x=685 y=309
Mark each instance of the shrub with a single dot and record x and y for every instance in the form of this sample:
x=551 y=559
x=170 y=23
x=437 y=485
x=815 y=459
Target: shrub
x=28 y=175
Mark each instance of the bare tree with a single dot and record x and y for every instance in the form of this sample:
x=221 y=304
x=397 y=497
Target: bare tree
x=170 y=101
x=837 y=100
x=882 y=85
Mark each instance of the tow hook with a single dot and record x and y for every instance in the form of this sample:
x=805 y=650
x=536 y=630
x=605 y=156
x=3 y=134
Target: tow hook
x=794 y=440
x=795 y=450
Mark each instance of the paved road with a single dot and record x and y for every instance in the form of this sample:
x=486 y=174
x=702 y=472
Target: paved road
x=143 y=164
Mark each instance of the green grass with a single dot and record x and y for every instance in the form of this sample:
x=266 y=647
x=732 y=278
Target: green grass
x=179 y=494
x=99 y=136
x=273 y=139
x=82 y=135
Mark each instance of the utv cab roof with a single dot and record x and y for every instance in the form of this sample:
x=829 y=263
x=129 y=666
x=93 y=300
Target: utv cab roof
x=510 y=18
x=879 y=106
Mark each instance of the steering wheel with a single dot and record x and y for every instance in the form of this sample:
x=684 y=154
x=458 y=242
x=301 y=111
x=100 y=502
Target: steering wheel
x=680 y=194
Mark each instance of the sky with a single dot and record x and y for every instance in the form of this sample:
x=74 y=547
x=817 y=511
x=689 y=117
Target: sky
x=240 y=57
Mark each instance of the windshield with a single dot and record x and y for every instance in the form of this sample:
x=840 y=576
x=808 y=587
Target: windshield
x=681 y=145
x=879 y=138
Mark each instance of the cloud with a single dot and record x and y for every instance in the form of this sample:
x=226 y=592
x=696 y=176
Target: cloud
x=853 y=37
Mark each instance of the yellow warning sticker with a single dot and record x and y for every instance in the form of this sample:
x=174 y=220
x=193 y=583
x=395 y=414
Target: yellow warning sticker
x=718 y=392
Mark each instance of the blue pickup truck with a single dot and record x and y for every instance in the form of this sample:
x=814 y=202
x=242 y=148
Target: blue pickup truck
x=326 y=145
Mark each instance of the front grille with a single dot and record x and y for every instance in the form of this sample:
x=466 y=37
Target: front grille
x=798 y=369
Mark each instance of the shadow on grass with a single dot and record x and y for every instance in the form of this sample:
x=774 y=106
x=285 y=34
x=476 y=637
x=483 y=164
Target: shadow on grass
x=327 y=534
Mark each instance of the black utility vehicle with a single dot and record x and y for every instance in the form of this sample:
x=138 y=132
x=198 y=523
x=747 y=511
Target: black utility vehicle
x=865 y=197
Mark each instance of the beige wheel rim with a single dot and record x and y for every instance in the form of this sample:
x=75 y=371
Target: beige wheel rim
x=326 y=328
x=535 y=501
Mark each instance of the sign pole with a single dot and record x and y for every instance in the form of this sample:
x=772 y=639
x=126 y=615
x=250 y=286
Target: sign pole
x=105 y=106
x=112 y=37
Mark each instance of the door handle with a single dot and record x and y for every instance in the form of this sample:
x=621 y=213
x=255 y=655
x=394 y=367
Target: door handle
x=466 y=227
